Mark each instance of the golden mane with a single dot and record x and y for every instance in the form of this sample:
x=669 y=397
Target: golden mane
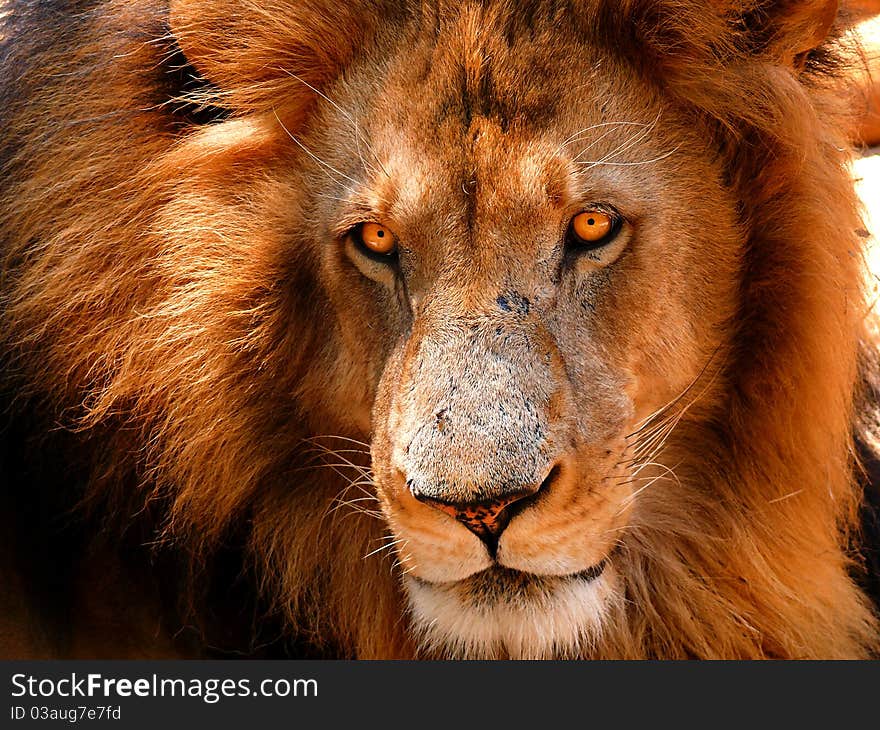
x=142 y=310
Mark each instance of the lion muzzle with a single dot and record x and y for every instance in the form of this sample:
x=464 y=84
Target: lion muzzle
x=472 y=422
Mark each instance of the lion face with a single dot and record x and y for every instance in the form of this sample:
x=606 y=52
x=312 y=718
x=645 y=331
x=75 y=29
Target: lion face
x=582 y=277
x=514 y=359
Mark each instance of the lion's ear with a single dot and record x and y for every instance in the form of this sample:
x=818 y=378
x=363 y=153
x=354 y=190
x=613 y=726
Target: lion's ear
x=785 y=30
x=250 y=49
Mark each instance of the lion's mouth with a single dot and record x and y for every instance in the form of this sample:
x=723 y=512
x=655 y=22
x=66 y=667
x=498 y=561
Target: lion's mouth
x=502 y=612
x=498 y=578
x=592 y=572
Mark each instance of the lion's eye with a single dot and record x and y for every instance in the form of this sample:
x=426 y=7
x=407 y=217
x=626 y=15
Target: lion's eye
x=375 y=239
x=593 y=228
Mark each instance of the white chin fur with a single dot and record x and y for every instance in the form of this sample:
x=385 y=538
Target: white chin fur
x=565 y=621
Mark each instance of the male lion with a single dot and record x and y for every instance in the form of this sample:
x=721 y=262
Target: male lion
x=456 y=328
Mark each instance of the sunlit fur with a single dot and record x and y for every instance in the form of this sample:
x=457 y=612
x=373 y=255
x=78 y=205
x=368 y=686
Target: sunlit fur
x=163 y=296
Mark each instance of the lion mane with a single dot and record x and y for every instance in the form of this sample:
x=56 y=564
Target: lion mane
x=171 y=358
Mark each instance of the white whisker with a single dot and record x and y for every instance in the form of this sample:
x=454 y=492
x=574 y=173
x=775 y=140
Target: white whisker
x=349 y=117
x=630 y=164
x=315 y=157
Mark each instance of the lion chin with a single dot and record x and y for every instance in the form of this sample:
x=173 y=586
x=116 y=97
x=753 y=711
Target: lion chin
x=506 y=614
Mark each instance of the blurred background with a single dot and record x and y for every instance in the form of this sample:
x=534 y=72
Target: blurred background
x=867 y=166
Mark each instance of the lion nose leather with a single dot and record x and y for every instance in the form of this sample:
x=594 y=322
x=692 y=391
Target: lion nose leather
x=486 y=518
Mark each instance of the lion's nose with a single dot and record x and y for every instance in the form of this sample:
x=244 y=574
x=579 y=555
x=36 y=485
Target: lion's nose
x=487 y=518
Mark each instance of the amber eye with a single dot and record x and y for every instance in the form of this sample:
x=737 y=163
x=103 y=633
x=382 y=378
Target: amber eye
x=375 y=239
x=593 y=228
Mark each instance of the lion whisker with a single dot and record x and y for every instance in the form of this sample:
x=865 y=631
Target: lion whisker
x=363 y=482
x=337 y=467
x=596 y=163
x=631 y=142
x=397 y=564
x=785 y=496
x=317 y=454
x=353 y=502
x=630 y=500
x=657 y=465
x=619 y=528
x=658 y=440
x=388 y=546
x=350 y=118
x=647 y=449
x=652 y=446
x=356 y=510
x=581 y=132
x=338 y=438
x=324 y=451
x=340 y=501
x=660 y=411
x=317 y=159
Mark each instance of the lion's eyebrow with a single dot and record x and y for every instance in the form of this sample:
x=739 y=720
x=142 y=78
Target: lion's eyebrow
x=581 y=133
x=366 y=203
x=643 y=131
x=352 y=218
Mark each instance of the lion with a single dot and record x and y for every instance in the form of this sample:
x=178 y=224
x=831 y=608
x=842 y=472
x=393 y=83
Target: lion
x=433 y=329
